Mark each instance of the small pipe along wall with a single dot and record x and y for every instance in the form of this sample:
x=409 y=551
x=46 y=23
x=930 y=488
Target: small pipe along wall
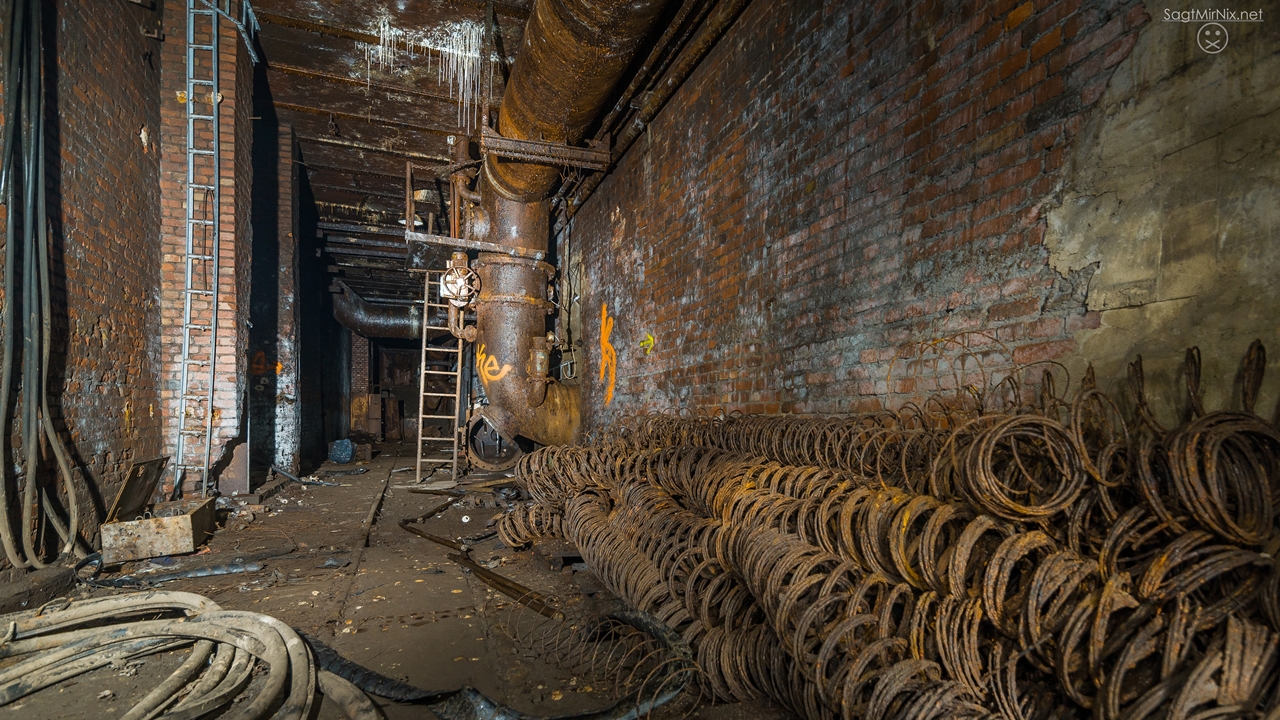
x=573 y=54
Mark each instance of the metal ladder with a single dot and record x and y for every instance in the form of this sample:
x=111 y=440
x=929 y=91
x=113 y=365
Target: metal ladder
x=200 y=259
x=433 y=356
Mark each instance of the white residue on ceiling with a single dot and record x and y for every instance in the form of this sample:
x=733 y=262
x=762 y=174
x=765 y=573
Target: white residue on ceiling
x=459 y=45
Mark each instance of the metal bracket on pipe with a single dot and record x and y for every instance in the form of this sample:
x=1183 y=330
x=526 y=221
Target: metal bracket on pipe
x=596 y=157
x=420 y=255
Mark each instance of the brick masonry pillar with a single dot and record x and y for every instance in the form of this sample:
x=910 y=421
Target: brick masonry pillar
x=287 y=409
x=359 y=382
x=234 y=176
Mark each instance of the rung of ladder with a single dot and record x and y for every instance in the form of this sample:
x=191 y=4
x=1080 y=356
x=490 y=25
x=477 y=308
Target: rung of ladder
x=441 y=372
x=198 y=327
x=436 y=417
x=193 y=256
x=443 y=350
x=198 y=292
x=200 y=47
x=195 y=116
x=431 y=394
x=437 y=439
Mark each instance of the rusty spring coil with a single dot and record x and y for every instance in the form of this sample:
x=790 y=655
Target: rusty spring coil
x=604 y=653
x=1026 y=565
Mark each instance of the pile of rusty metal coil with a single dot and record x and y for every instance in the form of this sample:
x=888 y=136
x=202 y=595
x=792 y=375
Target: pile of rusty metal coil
x=1059 y=560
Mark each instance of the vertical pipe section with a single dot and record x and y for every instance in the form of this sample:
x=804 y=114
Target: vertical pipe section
x=573 y=54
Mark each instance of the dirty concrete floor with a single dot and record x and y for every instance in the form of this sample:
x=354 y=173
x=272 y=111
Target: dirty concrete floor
x=398 y=605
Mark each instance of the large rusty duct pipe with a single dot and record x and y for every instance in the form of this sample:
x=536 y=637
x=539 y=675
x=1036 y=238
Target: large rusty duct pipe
x=573 y=54
x=376 y=321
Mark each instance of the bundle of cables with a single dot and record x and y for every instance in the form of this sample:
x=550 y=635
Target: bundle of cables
x=226 y=647
x=26 y=310
x=248 y=666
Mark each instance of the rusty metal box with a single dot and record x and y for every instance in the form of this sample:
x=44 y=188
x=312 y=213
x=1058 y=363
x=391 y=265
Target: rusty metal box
x=136 y=528
x=173 y=528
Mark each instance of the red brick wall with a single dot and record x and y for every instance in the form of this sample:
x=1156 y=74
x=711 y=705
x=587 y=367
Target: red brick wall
x=836 y=180
x=359 y=365
x=235 y=175
x=104 y=204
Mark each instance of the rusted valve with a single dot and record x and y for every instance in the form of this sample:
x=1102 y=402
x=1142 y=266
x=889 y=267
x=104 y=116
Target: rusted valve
x=460 y=285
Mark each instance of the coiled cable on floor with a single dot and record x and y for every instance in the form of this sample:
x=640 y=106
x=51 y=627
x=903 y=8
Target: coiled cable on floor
x=63 y=639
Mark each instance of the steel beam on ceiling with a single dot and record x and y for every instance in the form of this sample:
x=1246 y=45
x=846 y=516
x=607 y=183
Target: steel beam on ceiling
x=369 y=120
x=398 y=277
x=364 y=252
x=363 y=191
x=336 y=79
x=365 y=241
x=365 y=229
x=370 y=263
x=366 y=147
x=398 y=177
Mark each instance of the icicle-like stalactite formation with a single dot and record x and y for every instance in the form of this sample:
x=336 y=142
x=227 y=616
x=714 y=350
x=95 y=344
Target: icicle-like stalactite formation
x=461 y=49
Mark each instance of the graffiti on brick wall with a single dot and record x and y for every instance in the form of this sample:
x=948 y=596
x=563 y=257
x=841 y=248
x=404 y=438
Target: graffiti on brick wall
x=608 y=356
x=488 y=367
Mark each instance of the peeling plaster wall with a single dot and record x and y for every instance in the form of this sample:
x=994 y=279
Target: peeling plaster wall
x=1172 y=193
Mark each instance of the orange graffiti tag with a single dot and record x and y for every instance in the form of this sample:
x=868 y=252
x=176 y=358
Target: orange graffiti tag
x=258 y=364
x=608 y=356
x=488 y=367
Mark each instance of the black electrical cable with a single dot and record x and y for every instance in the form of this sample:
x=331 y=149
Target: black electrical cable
x=22 y=189
x=7 y=162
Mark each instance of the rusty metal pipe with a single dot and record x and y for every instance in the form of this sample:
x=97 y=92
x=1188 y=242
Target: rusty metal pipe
x=574 y=52
x=675 y=36
x=374 y=321
x=726 y=12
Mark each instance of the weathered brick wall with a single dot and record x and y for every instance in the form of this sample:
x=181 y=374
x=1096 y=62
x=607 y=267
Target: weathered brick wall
x=835 y=180
x=324 y=346
x=360 y=350
x=104 y=205
x=273 y=337
x=234 y=178
x=287 y=407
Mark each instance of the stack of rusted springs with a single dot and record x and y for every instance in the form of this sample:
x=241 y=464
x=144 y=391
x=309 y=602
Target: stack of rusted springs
x=1059 y=561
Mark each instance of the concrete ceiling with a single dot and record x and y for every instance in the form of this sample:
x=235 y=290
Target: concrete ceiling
x=358 y=123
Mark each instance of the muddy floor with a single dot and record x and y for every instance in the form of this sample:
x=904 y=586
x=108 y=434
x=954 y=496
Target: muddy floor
x=336 y=565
